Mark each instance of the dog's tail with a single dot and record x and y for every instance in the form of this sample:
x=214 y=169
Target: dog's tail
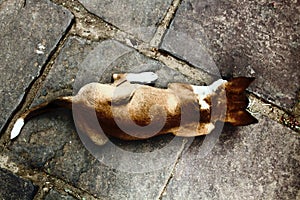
x=237 y=102
x=61 y=102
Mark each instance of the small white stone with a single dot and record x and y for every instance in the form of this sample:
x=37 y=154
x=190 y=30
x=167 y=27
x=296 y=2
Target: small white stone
x=41 y=46
x=128 y=42
x=39 y=51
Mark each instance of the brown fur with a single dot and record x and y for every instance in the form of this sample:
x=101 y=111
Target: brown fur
x=237 y=102
x=133 y=112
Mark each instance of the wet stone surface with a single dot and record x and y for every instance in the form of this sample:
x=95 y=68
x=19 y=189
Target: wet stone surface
x=14 y=187
x=130 y=170
x=243 y=38
x=254 y=162
x=28 y=36
x=139 y=18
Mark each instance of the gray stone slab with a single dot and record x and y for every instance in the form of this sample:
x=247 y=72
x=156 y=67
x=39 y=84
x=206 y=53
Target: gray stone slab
x=42 y=139
x=28 y=36
x=254 y=162
x=50 y=142
x=109 y=183
x=82 y=61
x=14 y=187
x=243 y=38
x=55 y=195
x=140 y=18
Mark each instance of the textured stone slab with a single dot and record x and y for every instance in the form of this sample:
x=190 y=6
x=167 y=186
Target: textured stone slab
x=14 y=187
x=244 y=38
x=253 y=162
x=136 y=17
x=82 y=62
x=109 y=183
x=50 y=142
x=28 y=36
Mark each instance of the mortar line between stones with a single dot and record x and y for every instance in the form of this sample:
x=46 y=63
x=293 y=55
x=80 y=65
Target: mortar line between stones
x=89 y=12
x=31 y=90
x=57 y=183
x=271 y=110
x=81 y=13
x=165 y=23
x=179 y=155
x=163 y=53
x=53 y=181
x=74 y=191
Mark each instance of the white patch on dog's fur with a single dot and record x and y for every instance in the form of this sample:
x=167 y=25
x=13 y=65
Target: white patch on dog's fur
x=215 y=85
x=17 y=128
x=172 y=103
x=203 y=104
x=204 y=91
x=209 y=127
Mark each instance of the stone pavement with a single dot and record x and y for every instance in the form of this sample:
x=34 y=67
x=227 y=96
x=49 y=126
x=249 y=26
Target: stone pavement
x=52 y=48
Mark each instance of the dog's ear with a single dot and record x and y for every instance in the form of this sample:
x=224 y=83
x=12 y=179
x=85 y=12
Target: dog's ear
x=239 y=84
x=237 y=102
x=240 y=118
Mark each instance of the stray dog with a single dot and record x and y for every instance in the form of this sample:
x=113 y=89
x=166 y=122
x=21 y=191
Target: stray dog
x=131 y=109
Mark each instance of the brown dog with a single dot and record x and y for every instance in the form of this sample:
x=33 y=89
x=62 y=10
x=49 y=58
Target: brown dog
x=129 y=110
